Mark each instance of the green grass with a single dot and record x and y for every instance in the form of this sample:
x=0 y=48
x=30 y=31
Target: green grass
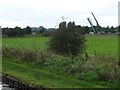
x=40 y=75
x=26 y=42
x=103 y=44
x=37 y=76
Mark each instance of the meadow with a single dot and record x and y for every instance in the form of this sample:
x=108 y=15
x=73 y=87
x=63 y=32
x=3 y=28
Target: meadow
x=102 y=44
x=28 y=60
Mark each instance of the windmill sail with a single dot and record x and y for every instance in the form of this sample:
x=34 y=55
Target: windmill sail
x=89 y=20
x=95 y=19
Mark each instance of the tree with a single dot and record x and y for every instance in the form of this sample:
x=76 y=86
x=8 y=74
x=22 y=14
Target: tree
x=27 y=30
x=19 y=31
x=112 y=29
x=11 y=32
x=8 y=32
x=67 y=40
x=41 y=29
x=4 y=30
x=86 y=29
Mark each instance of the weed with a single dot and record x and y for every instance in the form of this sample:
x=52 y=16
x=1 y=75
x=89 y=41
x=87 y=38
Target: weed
x=84 y=66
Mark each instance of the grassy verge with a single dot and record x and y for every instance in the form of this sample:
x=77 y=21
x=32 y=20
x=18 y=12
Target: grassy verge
x=38 y=76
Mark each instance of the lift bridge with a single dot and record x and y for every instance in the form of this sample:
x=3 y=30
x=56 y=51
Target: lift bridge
x=97 y=28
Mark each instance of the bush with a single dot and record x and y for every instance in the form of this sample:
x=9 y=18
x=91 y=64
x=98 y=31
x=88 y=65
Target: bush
x=47 y=34
x=106 y=73
x=67 y=40
x=26 y=54
x=91 y=75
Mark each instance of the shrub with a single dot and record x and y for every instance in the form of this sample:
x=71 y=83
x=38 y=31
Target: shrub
x=91 y=75
x=67 y=40
x=47 y=34
x=106 y=73
x=26 y=55
x=77 y=66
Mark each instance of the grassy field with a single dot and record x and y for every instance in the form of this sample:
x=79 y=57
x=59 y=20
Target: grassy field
x=38 y=75
x=26 y=42
x=60 y=71
x=103 y=44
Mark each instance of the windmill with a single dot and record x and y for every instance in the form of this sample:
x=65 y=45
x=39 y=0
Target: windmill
x=89 y=20
x=56 y=25
x=97 y=27
x=95 y=19
x=63 y=18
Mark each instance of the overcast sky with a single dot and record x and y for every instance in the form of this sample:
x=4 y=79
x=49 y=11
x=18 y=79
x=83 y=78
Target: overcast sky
x=48 y=13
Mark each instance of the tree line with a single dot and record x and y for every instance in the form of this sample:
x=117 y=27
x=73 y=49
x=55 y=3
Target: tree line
x=18 y=31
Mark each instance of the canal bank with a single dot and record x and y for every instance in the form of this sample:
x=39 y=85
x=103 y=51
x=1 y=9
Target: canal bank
x=12 y=83
x=4 y=86
x=39 y=76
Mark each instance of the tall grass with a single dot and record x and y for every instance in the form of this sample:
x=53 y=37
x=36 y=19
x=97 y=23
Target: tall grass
x=94 y=67
x=100 y=62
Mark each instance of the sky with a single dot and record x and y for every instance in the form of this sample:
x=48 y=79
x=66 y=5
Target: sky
x=49 y=13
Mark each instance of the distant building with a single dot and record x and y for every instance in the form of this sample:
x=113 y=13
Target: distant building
x=118 y=33
x=33 y=33
x=91 y=33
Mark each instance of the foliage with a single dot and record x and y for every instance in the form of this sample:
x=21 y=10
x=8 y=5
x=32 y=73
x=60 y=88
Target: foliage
x=39 y=75
x=103 y=70
x=26 y=55
x=91 y=75
x=10 y=32
x=77 y=67
x=42 y=30
x=17 y=31
x=106 y=73
x=27 y=30
x=111 y=47
x=67 y=40
x=47 y=34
